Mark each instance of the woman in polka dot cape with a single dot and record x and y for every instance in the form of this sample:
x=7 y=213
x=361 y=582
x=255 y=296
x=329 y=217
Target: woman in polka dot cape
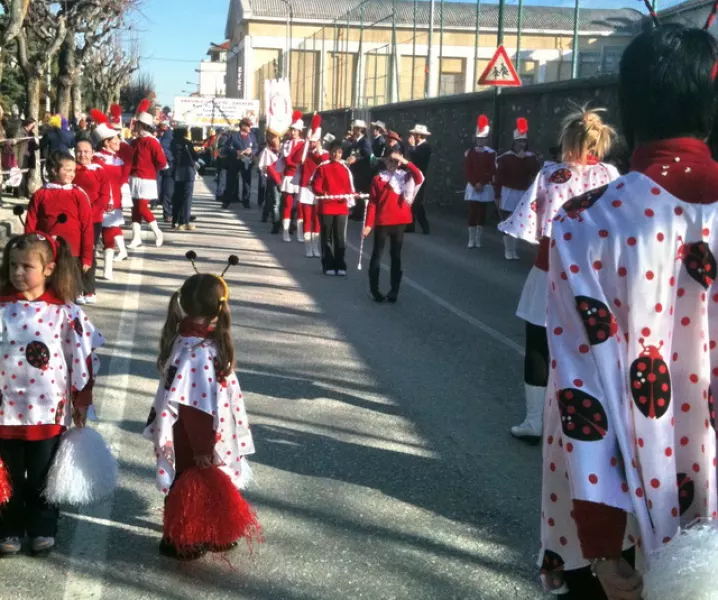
x=198 y=417
x=47 y=369
x=630 y=427
x=585 y=140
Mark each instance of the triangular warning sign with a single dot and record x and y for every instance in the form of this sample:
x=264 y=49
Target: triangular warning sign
x=500 y=70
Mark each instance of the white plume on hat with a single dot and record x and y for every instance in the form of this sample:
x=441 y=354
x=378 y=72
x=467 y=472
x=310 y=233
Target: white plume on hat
x=522 y=129
x=483 y=128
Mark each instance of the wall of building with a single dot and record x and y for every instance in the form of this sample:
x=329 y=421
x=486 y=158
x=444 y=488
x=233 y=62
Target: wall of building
x=212 y=78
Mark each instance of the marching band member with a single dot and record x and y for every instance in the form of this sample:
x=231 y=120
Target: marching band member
x=292 y=150
x=389 y=212
x=314 y=155
x=585 y=140
x=515 y=172
x=148 y=160
x=480 y=170
x=271 y=165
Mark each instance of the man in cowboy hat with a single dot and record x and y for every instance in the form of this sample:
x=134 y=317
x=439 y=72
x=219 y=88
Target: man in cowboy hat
x=360 y=165
x=243 y=147
x=420 y=155
x=378 y=144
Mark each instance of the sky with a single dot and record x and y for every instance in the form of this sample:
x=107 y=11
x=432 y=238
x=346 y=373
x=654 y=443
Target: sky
x=175 y=35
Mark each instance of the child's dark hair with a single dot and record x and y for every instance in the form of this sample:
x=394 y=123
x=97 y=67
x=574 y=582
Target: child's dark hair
x=55 y=161
x=65 y=279
x=335 y=145
x=202 y=296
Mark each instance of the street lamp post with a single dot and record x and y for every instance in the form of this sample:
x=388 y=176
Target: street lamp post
x=288 y=54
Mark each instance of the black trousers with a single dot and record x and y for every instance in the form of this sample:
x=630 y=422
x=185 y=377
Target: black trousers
x=261 y=189
x=245 y=174
x=182 y=202
x=27 y=511
x=231 y=189
x=334 y=242
x=583 y=585
x=395 y=235
x=419 y=212
x=166 y=185
x=272 y=205
x=88 y=279
x=536 y=358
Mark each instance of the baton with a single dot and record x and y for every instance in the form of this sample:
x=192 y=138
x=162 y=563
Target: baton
x=361 y=243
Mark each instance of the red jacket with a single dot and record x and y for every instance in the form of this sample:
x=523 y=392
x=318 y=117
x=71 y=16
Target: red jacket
x=148 y=158
x=515 y=172
x=95 y=181
x=387 y=203
x=480 y=165
x=118 y=174
x=53 y=200
x=310 y=166
x=331 y=179
x=293 y=151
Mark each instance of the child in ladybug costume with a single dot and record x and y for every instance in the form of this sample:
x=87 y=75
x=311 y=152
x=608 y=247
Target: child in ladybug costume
x=48 y=344
x=198 y=423
x=630 y=426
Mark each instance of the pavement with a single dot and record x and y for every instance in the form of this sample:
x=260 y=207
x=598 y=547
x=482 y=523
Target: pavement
x=384 y=467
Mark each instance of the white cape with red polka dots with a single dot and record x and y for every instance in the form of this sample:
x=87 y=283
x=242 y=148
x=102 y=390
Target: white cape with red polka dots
x=189 y=379
x=46 y=350
x=632 y=327
x=554 y=185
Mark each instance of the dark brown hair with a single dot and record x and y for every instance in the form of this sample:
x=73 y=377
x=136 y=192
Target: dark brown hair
x=65 y=279
x=202 y=296
x=55 y=161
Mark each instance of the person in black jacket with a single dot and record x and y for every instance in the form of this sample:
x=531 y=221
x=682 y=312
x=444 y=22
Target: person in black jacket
x=378 y=143
x=165 y=183
x=420 y=155
x=57 y=138
x=183 y=175
x=360 y=164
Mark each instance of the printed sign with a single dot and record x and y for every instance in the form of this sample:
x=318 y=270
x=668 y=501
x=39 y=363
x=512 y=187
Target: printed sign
x=210 y=111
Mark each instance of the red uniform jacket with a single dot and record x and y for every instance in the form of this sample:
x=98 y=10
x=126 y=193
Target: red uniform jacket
x=310 y=166
x=515 y=172
x=293 y=152
x=387 y=206
x=332 y=179
x=118 y=174
x=53 y=200
x=148 y=158
x=94 y=180
x=480 y=165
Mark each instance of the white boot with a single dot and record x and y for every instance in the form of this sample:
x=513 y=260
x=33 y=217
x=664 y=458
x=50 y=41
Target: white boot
x=308 y=252
x=285 y=230
x=507 y=248
x=120 y=245
x=514 y=254
x=300 y=231
x=472 y=237
x=159 y=238
x=136 y=241
x=109 y=257
x=479 y=231
x=532 y=427
x=316 y=245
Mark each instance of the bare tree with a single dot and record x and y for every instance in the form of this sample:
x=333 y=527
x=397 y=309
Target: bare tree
x=15 y=14
x=110 y=67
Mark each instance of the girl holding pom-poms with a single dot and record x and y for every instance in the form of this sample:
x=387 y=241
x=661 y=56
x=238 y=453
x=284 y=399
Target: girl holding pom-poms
x=198 y=423
x=48 y=347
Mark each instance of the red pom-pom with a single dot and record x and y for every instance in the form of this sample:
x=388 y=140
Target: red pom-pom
x=5 y=484
x=482 y=122
x=296 y=115
x=205 y=509
x=316 y=122
x=522 y=125
x=116 y=111
x=143 y=106
x=98 y=116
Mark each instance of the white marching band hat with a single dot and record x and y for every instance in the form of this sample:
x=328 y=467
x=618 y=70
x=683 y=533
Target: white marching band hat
x=297 y=121
x=146 y=119
x=103 y=132
x=420 y=129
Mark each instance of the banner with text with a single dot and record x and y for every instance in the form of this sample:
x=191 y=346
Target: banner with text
x=209 y=111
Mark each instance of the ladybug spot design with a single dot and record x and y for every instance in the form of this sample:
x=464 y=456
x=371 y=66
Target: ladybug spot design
x=582 y=416
x=699 y=262
x=152 y=417
x=598 y=320
x=38 y=355
x=561 y=175
x=574 y=207
x=686 y=492
x=171 y=372
x=651 y=382
x=77 y=326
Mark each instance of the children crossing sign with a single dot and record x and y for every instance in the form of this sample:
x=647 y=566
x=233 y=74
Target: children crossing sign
x=500 y=71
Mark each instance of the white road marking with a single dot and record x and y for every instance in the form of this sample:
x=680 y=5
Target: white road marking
x=89 y=543
x=487 y=329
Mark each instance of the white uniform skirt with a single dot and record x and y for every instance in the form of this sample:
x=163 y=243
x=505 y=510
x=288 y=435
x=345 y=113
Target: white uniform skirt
x=306 y=196
x=533 y=302
x=290 y=185
x=485 y=195
x=126 y=199
x=113 y=219
x=143 y=189
x=510 y=199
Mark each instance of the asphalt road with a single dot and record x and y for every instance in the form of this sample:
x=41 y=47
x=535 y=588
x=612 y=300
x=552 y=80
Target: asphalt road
x=384 y=468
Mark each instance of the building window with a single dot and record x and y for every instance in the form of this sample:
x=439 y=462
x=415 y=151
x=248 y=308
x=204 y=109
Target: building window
x=589 y=64
x=611 y=60
x=451 y=83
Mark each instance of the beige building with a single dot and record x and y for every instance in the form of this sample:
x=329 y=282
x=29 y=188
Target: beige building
x=342 y=53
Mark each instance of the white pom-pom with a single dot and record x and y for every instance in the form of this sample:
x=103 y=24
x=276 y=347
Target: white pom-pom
x=84 y=470
x=686 y=568
x=246 y=475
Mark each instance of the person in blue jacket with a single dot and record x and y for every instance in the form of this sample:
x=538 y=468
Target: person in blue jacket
x=182 y=173
x=165 y=183
x=243 y=147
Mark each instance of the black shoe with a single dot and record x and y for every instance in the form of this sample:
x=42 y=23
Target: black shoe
x=378 y=297
x=409 y=229
x=168 y=550
x=248 y=205
x=221 y=549
x=225 y=205
x=276 y=228
x=425 y=231
x=192 y=219
x=391 y=297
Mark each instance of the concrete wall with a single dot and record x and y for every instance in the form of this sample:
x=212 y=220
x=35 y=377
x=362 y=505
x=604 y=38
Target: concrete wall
x=452 y=120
